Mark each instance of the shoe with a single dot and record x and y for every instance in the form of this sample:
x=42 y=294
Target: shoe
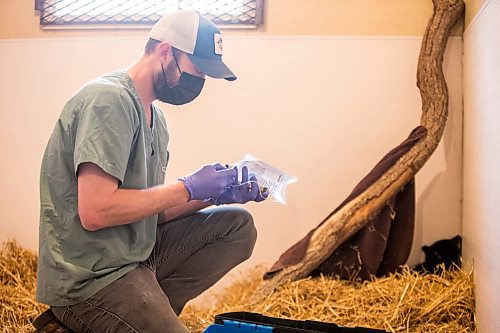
x=48 y=323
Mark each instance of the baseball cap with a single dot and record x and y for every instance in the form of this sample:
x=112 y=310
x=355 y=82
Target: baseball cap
x=197 y=36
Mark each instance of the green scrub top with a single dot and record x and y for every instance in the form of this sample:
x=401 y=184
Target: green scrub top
x=103 y=123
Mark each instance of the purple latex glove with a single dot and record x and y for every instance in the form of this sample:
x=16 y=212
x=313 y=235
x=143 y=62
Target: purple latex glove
x=210 y=181
x=247 y=190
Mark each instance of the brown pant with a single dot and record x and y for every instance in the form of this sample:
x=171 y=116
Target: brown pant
x=190 y=255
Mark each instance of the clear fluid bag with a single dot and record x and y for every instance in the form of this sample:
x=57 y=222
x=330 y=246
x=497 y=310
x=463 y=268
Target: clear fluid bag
x=268 y=177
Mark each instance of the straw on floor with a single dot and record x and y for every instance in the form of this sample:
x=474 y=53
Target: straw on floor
x=17 y=288
x=403 y=302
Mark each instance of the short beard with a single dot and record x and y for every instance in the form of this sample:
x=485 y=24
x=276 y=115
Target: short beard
x=161 y=80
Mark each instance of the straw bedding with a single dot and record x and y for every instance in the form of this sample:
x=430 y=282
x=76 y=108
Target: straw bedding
x=17 y=288
x=403 y=302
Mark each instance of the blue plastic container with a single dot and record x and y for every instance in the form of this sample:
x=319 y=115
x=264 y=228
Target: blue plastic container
x=248 y=322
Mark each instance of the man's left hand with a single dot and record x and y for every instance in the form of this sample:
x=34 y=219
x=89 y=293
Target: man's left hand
x=247 y=190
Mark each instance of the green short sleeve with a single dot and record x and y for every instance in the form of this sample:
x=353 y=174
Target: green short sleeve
x=105 y=131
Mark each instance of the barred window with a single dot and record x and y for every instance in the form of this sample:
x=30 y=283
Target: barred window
x=144 y=13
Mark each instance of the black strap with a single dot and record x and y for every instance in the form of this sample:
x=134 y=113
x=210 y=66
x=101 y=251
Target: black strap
x=42 y=320
x=47 y=322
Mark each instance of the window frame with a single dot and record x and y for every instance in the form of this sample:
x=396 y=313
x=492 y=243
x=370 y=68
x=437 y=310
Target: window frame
x=258 y=20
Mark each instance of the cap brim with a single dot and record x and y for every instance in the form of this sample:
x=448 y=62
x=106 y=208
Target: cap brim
x=212 y=67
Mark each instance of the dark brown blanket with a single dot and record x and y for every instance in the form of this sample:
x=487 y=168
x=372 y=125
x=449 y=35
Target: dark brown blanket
x=383 y=244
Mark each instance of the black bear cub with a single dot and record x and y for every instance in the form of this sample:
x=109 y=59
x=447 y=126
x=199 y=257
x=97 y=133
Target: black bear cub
x=445 y=252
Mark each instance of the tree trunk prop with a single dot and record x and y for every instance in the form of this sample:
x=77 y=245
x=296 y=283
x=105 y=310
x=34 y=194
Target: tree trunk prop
x=354 y=215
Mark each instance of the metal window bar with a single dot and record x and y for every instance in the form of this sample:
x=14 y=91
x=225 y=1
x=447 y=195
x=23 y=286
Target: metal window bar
x=123 y=13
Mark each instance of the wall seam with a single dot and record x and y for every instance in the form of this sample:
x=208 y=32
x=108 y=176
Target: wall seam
x=476 y=17
x=232 y=37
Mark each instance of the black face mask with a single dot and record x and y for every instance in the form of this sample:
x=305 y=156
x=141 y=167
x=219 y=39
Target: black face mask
x=186 y=90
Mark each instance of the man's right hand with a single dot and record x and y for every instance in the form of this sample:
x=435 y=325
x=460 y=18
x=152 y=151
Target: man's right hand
x=210 y=181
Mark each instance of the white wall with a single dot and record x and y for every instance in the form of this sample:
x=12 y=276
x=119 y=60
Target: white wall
x=324 y=109
x=481 y=209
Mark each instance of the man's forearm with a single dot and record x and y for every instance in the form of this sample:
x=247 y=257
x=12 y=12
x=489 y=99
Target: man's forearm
x=127 y=206
x=183 y=209
x=102 y=204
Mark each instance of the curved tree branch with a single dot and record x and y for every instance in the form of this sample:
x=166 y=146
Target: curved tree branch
x=353 y=216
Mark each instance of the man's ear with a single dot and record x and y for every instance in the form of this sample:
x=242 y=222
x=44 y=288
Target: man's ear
x=163 y=51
